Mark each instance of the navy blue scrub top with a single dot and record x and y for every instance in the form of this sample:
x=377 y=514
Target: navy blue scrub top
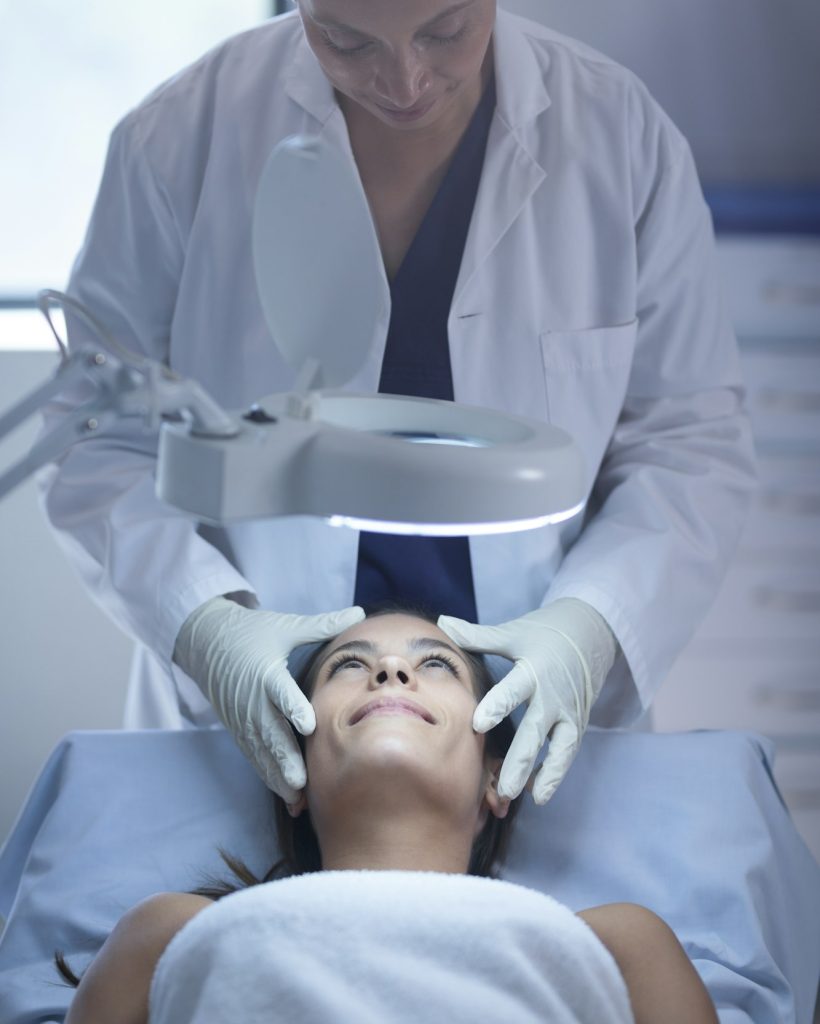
x=434 y=573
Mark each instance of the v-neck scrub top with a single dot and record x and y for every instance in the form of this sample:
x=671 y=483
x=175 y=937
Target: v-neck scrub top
x=431 y=572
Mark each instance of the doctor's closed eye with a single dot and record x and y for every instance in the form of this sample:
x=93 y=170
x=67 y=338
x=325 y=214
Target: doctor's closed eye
x=361 y=49
x=448 y=28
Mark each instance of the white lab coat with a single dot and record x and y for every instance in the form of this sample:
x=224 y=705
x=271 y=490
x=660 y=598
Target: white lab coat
x=587 y=297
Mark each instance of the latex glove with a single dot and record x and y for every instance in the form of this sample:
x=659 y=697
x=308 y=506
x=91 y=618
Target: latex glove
x=562 y=655
x=238 y=658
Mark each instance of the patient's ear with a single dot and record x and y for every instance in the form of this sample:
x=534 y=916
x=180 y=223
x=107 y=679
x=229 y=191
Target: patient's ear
x=499 y=806
x=295 y=809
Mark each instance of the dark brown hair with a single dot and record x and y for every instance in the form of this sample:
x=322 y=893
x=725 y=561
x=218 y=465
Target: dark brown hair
x=298 y=843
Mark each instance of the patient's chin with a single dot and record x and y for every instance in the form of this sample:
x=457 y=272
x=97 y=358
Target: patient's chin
x=389 y=763
x=389 y=748
x=385 y=769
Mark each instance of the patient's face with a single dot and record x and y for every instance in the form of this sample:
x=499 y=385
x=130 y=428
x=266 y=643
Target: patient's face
x=394 y=702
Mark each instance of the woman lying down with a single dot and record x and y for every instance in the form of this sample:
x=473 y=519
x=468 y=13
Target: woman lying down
x=383 y=908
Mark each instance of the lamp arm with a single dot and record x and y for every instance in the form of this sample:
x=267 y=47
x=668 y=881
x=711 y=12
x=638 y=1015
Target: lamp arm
x=149 y=390
x=154 y=391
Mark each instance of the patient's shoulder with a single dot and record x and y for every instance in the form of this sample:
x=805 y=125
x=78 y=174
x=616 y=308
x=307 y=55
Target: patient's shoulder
x=629 y=930
x=660 y=978
x=154 y=921
x=624 y=923
x=147 y=928
x=115 y=987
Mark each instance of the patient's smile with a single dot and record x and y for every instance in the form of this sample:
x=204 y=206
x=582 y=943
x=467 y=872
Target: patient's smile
x=391 y=706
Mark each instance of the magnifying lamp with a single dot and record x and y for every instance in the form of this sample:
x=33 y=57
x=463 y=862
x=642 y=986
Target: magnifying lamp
x=374 y=462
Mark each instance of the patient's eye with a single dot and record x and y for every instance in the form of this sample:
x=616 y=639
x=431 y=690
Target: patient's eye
x=344 y=661
x=438 y=660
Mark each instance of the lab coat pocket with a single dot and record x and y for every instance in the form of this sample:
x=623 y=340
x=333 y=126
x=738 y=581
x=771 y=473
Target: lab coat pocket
x=586 y=374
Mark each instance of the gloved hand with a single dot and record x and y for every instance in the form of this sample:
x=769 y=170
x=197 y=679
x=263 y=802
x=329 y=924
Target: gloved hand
x=238 y=658
x=562 y=655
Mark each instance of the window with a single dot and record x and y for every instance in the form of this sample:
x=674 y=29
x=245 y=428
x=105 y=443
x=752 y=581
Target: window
x=68 y=73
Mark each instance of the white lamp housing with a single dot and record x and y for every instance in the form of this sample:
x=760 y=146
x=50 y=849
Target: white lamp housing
x=378 y=462
x=383 y=463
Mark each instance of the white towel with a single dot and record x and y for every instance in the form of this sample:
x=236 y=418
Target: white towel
x=376 y=947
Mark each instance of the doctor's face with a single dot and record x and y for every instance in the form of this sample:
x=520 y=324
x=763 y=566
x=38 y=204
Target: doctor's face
x=394 y=703
x=406 y=62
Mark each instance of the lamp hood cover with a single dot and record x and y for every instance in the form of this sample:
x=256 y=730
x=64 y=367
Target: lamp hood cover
x=316 y=259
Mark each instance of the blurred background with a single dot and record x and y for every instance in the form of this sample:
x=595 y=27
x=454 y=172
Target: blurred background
x=742 y=81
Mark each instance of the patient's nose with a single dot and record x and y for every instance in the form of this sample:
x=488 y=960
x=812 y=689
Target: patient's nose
x=393 y=669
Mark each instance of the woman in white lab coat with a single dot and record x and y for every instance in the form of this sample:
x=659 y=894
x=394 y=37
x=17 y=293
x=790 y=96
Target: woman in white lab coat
x=582 y=291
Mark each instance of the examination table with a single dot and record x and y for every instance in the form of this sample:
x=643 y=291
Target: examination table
x=689 y=824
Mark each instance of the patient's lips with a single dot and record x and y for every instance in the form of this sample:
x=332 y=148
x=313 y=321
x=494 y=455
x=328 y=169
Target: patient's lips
x=391 y=706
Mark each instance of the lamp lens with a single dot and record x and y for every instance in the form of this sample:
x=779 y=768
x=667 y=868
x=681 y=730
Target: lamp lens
x=432 y=437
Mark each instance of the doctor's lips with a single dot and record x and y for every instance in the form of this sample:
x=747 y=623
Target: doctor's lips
x=411 y=114
x=391 y=706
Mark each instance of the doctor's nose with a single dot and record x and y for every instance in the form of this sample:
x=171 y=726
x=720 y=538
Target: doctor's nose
x=395 y=671
x=402 y=83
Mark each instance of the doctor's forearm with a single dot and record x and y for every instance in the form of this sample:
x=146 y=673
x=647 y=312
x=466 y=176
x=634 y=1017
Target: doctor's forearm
x=669 y=504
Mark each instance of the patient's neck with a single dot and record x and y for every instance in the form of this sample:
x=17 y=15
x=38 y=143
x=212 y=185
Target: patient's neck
x=384 y=837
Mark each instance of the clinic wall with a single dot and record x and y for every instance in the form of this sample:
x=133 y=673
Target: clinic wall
x=64 y=664
x=739 y=77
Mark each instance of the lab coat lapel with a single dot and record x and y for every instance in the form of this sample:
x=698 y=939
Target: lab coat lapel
x=510 y=174
x=320 y=552
x=307 y=85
